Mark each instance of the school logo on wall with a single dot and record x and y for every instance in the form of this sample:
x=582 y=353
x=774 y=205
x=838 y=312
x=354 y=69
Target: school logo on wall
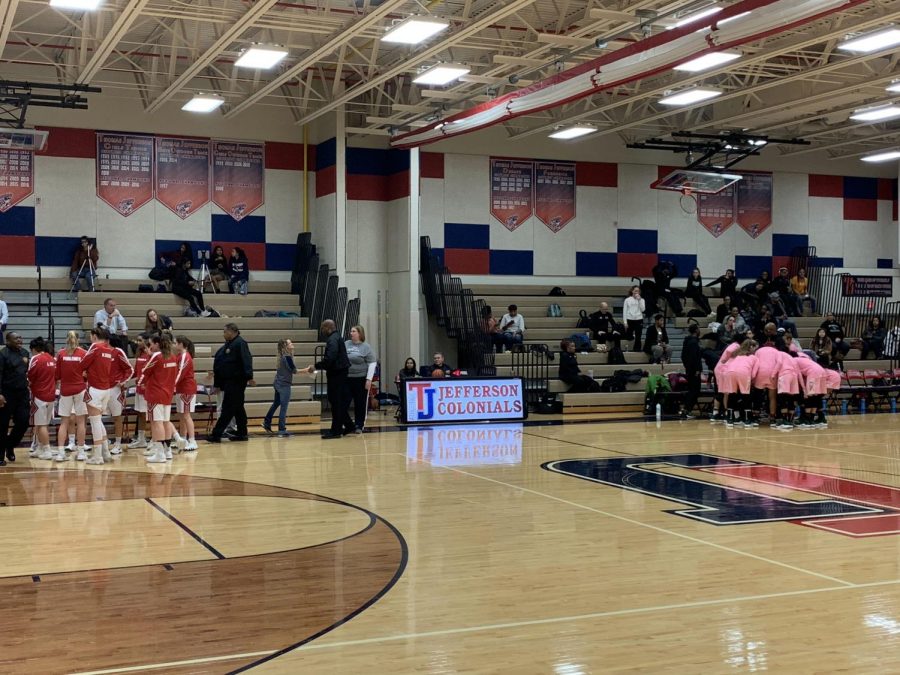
x=726 y=491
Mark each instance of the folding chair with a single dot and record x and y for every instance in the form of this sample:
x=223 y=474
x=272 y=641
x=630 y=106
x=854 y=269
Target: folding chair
x=206 y=404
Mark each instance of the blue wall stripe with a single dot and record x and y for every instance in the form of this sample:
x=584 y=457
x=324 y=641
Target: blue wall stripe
x=18 y=221
x=860 y=188
x=637 y=241
x=784 y=244
x=512 y=262
x=57 y=251
x=749 y=267
x=591 y=264
x=685 y=262
x=825 y=262
x=250 y=229
x=375 y=162
x=885 y=263
x=461 y=235
x=280 y=257
x=326 y=154
x=439 y=254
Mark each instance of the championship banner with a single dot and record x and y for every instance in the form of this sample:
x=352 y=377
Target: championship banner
x=16 y=176
x=511 y=191
x=554 y=193
x=716 y=212
x=182 y=174
x=854 y=286
x=238 y=177
x=124 y=171
x=754 y=203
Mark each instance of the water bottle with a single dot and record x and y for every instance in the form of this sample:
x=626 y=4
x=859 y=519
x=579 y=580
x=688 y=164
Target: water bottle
x=658 y=412
x=862 y=406
x=893 y=405
x=797 y=412
x=844 y=406
x=824 y=405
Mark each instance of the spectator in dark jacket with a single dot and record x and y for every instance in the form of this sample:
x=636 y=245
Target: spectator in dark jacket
x=782 y=285
x=694 y=290
x=873 y=338
x=693 y=366
x=15 y=404
x=232 y=372
x=727 y=284
x=238 y=271
x=656 y=344
x=571 y=374
x=604 y=326
x=336 y=364
x=724 y=309
x=663 y=273
x=835 y=332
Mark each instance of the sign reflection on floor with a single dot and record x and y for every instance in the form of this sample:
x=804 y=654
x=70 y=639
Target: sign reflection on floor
x=469 y=445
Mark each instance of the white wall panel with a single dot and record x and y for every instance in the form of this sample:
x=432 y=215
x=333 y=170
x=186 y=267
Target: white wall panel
x=431 y=210
x=716 y=254
x=554 y=251
x=68 y=194
x=520 y=239
x=597 y=211
x=863 y=243
x=126 y=242
x=467 y=188
x=196 y=227
x=323 y=227
x=371 y=237
x=284 y=206
x=397 y=237
x=351 y=255
x=678 y=231
x=790 y=203
x=637 y=202
x=826 y=233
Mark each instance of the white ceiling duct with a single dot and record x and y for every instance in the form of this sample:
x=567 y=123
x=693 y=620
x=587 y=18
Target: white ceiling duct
x=634 y=62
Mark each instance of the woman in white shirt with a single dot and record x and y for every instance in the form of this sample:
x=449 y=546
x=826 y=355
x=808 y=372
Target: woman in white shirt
x=633 y=314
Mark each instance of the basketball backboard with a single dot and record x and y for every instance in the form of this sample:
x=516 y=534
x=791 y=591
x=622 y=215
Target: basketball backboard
x=701 y=182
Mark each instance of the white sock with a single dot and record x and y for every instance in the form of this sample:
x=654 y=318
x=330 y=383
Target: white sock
x=176 y=437
x=72 y=439
x=141 y=436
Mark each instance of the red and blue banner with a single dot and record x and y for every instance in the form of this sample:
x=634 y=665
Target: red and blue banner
x=716 y=212
x=124 y=171
x=182 y=174
x=512 y=191
x=754 y=203
x=238 y=177
x=554 y=193
x=16 y=176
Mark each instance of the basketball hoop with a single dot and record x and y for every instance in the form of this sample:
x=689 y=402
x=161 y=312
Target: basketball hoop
x=688 y=201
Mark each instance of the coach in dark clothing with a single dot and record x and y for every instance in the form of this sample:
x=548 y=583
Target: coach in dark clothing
x=692 y=359
x=571 y=374
x=335 y=364
x=232 y=372
x=14 y=401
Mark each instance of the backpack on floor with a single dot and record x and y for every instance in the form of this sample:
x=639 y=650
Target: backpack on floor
x=584 y=321
x=615 y=356
x=581 y=341
x=617 y=382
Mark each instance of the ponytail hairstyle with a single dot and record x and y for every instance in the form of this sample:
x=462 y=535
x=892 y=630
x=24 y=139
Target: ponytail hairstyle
x=38 y=344
x=186 y=343
x=747 y=348
x=71 y=342
x=101 y=333
x=165 y=344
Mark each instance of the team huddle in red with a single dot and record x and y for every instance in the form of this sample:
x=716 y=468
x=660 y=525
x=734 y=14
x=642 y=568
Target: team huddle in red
x=92 y=382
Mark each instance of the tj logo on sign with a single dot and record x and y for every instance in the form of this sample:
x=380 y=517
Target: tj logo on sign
x=424 y=406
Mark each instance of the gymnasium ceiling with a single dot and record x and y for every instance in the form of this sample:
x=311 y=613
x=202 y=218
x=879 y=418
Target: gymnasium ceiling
x=793 y=84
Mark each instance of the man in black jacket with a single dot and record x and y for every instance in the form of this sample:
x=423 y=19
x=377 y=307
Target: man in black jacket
x=656 y=344
x=663 y=273
x=335 y=363
x=604 y=326
x=232 y=372
x=14 y=401
x=834 y=329
x=693 y=366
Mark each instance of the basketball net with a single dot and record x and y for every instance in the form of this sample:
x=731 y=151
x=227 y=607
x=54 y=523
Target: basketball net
x=688 y=201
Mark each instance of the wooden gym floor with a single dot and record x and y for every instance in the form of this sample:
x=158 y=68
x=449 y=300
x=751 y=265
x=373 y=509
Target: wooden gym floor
x=673 y=548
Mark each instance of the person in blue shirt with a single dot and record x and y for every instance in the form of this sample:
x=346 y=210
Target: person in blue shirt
x=238 y=271
x=284 y=379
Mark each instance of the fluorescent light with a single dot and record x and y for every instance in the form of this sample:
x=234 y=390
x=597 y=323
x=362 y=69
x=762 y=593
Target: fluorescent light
x=83 y=5
x=688 y=96
x=415 y=29
x=893 y=87
x=885 y=112
x=708 y=61
x=261 y=57
x=203 y=103
x=573 y=132
x=442 y=73
x=722 y=22
x=882 y=156
x=873 y=42
x=702 y=14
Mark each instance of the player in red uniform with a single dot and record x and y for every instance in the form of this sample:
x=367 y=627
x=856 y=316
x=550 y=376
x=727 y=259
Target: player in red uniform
x=185 y=394
x=122 y=372
x=158 y=380
x=70 y=373
x=102 y=370
x=42 y=383
x=140 y=403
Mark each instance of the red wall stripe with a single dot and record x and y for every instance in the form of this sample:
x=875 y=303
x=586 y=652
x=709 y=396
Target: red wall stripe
x=431 y=165
x=597 y=174
x=326 y=182
x=288 y=156
x=16 y=250
x=366 y=188
x=861 y=209
x=256 y=253
x=397 y=186
x=636 y=264
x=468 y=260
x=64 y=142
x=886 y=188
x=826 y=186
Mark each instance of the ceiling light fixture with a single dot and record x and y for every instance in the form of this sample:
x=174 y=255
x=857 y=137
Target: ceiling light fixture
x=689 y=96
x=707 y=61
x=80 y=5
x=893 y=87
x=872 y=42
x=441 y=74
x=203 y=103
x=702 y=14
x=573 y=132
x=261 y=57
x=415 y=29
x=879 y=114
x=882 y=156
x=722 y=22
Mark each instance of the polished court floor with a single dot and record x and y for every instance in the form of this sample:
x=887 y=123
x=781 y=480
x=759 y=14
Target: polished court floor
x=678 y=547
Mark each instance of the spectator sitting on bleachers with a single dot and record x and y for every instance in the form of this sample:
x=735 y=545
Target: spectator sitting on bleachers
x=604 y=326
x=571 y=374
x=873 y=338
x=728 y=330
x=740 y=326
x=513 y=326
x=835 y=331
x=491 y=328
x=780 y=313
x=821 y=347
x=184 y=286
x=663 y=273
x=238 y=271
x=110 y=318
x=633 y=314
x=175 y=258
x=800 y=286
x=154 y=322
x=437 y=364
x=656 y=344
x=782 y=284
x=765 y=279
x=724 y=309
x=694 y=290
x=727 y=284
x=409 y=371
x=753 y=296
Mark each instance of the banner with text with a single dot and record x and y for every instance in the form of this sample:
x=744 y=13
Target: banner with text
x=754 y=203
x=716 y=212
x=855 y=286
x=554 y=193
x=464 y=400
x=511 y=191
x=182 y=174
x=238 y=177
x=124 y=171
x=16 y=176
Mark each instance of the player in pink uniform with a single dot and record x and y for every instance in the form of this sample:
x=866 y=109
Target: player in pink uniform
x=739 y=373
x=788 y=384
x=723 y=385
x=42 y=383
x=814 y=381
x=766 y=377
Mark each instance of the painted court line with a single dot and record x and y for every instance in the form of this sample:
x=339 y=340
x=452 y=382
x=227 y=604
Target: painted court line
x=174 y=664
x=842 y=452
x=654 y=527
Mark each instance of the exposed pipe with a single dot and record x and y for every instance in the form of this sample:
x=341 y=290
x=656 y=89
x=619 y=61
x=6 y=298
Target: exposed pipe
x=306 y=178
